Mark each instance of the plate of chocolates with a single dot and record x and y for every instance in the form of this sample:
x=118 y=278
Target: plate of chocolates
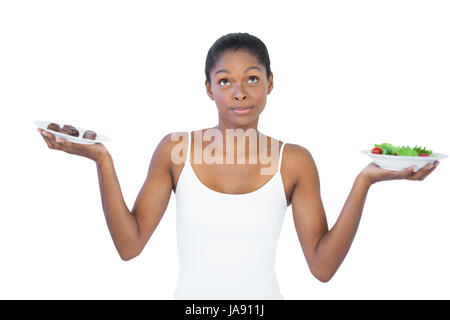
x=72 y=133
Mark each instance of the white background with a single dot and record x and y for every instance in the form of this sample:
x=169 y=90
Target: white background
x=347 y=74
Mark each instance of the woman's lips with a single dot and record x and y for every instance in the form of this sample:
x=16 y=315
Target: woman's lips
x=242 y=110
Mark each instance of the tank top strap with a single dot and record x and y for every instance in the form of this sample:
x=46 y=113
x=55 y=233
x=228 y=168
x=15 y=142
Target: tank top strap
x=188 y=148
x=281 y=157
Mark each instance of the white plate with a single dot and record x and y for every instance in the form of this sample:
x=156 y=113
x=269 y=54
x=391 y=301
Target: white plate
x=99 y=139
x=399 y=163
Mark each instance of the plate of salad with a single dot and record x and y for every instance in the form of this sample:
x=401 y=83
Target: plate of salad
x=396 y=158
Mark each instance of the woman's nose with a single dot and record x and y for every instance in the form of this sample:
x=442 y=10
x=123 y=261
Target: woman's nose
x=239 y=94
x=240 y=97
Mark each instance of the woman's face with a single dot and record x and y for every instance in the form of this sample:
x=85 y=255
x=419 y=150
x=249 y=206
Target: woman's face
x=239 y=80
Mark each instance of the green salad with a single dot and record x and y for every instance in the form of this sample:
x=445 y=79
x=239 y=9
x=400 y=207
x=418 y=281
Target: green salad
x=389 y=149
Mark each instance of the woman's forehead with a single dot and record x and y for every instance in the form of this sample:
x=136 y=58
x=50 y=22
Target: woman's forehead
x=237 y=61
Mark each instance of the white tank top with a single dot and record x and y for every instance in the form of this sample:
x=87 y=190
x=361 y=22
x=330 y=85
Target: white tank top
x=227 y=242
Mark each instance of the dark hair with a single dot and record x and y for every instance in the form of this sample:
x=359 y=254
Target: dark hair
x=234 y=42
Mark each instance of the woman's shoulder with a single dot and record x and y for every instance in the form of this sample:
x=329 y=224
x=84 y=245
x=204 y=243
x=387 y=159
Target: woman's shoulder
x=296 y=150
x=297 y=158
x=170 y=149
x=170 y=140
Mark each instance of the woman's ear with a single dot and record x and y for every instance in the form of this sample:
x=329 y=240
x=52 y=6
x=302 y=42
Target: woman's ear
x=208 y=89
x=270 y=83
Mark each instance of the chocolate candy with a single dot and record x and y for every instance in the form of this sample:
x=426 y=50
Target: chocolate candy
x=70 y=130
x=54 y=127
x=88 y=134
x=65 y=131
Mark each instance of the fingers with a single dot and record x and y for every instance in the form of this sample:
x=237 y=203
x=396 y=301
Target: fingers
x=48 y=138
x=407 y=173
x=52 y=143
x=421 y=174
x=429 y=168
x=47 y=141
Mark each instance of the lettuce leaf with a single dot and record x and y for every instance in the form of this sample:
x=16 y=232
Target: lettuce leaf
x=390 y=149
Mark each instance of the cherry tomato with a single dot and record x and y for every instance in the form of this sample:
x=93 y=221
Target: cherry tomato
x=377 y=150
x=424 y=155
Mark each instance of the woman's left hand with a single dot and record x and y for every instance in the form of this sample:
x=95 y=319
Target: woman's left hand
x=373 y=173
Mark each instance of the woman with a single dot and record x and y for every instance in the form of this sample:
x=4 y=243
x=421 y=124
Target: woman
x=229 y=215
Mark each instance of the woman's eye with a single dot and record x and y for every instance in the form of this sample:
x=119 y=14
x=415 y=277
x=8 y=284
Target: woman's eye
x=253 y=77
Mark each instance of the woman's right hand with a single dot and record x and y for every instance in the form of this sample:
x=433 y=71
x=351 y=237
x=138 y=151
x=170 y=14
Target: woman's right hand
x=96 y=151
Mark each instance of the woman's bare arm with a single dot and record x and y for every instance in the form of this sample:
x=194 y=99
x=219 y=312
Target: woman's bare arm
x=131 y=230
x=326 y=249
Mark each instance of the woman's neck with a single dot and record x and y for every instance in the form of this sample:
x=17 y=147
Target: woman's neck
x=241 y=140
x=223 y=127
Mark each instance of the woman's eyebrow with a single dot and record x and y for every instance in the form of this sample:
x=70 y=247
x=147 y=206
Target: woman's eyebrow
x=246 y=70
